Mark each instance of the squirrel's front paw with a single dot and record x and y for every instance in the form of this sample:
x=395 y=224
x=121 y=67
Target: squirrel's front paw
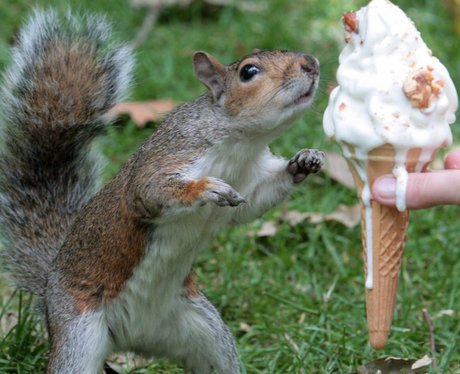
x=220 y=193
x=306 y=161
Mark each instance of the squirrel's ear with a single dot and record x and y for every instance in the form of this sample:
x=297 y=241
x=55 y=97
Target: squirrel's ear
x=210 y=72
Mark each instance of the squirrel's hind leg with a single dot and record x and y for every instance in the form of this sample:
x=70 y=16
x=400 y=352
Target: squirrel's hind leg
x=79 y=344
x=199 y=338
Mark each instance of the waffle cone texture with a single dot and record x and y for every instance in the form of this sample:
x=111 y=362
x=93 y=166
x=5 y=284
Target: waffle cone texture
x=389 y=230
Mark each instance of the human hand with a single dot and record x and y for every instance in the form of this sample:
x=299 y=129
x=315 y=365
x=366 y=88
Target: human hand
x=426 y=189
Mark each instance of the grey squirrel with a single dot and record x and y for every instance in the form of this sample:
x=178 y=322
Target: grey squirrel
x=113 y=268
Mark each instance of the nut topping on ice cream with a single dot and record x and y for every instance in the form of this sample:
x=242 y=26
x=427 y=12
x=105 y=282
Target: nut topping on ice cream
x=421 y=88
x=351 y=22
x=351 y=25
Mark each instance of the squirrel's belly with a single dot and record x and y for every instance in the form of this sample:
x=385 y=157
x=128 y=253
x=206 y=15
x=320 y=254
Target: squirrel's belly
x=142 y=315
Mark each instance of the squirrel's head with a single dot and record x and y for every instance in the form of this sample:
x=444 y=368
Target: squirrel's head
x=263 y=90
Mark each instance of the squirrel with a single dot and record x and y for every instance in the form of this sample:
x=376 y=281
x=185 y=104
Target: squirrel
x=112 y=264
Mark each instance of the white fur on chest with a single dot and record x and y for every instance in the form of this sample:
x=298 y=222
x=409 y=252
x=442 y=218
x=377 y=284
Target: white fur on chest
x=231 y=161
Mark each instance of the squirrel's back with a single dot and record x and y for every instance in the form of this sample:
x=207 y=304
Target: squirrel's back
x=65 y=75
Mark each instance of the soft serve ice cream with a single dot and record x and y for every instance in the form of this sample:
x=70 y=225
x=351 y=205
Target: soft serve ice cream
x=385 y=54
x=392 y=94
x=391 y=89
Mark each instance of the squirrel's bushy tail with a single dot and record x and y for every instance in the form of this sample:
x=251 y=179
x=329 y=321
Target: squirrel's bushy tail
x=65 y=76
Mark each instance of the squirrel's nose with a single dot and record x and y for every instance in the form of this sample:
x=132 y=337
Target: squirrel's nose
x=309 y=64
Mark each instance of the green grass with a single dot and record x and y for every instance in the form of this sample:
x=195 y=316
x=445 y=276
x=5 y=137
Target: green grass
x=301 y=291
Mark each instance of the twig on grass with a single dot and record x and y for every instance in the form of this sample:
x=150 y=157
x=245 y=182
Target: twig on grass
x=431 y=331
x=147 y=26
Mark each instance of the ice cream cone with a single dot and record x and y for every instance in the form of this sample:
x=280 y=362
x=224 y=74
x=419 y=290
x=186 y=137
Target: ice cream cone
x=387 y=235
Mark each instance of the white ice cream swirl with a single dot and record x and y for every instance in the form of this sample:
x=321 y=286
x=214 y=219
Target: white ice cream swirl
x=369 y=107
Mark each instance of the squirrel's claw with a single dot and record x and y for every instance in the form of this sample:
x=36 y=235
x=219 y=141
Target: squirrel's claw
x=222 y=194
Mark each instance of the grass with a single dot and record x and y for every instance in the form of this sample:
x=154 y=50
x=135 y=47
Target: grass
x=295 y=300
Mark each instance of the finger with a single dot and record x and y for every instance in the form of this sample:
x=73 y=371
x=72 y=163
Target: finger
x=424 y=190
x=453 y=160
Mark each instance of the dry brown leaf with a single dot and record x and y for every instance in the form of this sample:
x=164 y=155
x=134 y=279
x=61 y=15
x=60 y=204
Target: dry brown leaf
x=394 y=365
x=424 y=362
x=269 y=228
x=348 y=215
x=126 y=362
x=446 y=312
x=294 y=217
x=336 y=167
x=142 y=112
x=245 y=327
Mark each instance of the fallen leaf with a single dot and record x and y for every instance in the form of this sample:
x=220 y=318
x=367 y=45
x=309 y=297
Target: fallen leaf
x=446 y=312
x=395 y=365
x=142 y=112
x=126 y=362
x=348 y=215
x=336 y=167
x=269 y=228
x=294 y=217
x=245 y=327
x=424 y=362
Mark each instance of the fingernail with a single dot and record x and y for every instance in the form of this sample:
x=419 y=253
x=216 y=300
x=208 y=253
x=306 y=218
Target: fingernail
x=385 y=187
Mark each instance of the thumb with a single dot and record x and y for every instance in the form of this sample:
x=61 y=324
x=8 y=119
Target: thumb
x=453 y=160
x=424 y=190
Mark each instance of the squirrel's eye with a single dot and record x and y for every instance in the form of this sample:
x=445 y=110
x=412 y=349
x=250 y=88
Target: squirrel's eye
x=248 y=71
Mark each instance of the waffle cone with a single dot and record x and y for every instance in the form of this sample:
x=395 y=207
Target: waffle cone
x=389 y=229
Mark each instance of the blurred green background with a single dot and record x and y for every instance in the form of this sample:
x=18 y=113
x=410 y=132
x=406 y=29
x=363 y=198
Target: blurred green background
x=295 y=301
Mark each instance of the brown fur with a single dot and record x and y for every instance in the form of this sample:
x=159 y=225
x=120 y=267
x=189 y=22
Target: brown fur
x=61 y=67
x=193 y=190
x=61 y=82
x=190 y=287
x=97 y=262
